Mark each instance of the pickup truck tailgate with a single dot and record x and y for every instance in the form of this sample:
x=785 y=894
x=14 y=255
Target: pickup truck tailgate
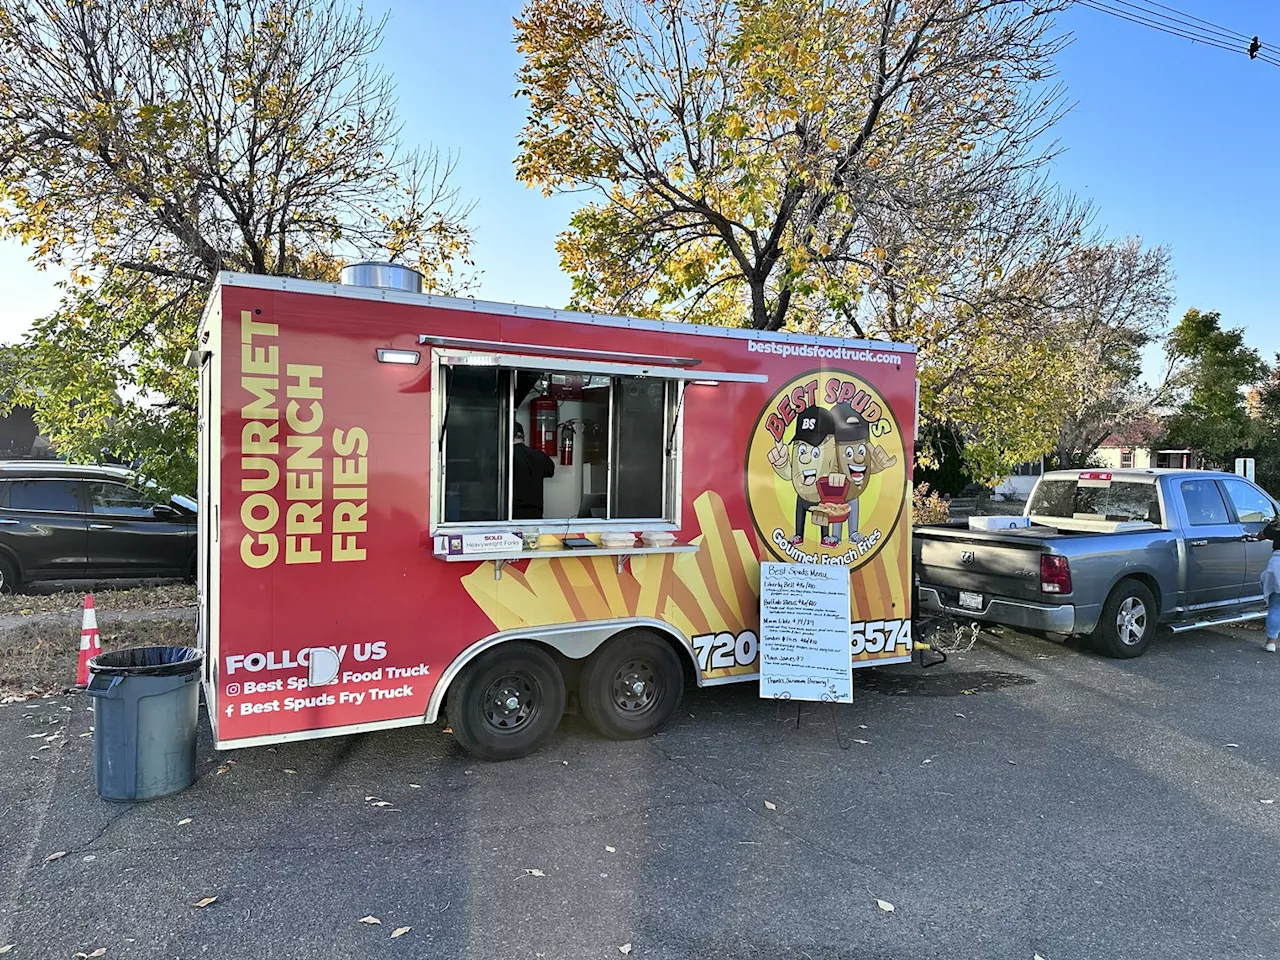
x=1004 y=564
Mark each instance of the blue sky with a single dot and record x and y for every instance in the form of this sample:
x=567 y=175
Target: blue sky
x=1174 y=141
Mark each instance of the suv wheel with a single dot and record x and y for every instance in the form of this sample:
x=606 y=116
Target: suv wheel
x=8 y=576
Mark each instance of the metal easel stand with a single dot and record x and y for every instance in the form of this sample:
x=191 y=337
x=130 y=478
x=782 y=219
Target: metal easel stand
x=842 y=738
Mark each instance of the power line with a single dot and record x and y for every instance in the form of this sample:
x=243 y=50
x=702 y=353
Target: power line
x=1165 y=24
x=1219 y=33
x=1207 y=23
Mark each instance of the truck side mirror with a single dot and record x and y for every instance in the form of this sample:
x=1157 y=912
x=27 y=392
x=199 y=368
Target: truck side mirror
x=162 y=511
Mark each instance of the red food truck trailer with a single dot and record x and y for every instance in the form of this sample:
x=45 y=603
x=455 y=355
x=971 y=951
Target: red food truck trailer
x=414 y=507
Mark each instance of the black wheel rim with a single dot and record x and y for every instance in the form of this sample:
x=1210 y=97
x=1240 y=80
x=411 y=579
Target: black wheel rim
x=512 y=702
x=635 y=687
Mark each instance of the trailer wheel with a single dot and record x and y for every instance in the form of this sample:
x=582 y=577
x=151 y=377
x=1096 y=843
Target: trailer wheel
x=507 y=702
x=1128 y=621
x=631 y=686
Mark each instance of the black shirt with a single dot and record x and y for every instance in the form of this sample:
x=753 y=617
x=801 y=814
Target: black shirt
x=1271 y=532
x=529 y=468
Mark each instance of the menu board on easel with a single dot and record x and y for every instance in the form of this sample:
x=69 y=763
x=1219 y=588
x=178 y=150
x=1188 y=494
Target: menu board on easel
x=804 y=632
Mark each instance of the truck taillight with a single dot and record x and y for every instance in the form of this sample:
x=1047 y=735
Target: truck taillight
x=1055 y=574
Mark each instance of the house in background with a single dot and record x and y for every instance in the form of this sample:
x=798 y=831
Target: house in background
x=1019 y=484
x=1135 y=447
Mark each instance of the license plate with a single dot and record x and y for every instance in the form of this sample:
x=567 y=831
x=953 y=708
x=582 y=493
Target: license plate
x=970 y=601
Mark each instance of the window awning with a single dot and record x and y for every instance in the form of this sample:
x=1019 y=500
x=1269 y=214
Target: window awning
x=567 y=361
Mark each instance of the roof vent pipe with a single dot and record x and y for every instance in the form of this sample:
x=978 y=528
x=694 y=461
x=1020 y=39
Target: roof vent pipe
x=390 y=276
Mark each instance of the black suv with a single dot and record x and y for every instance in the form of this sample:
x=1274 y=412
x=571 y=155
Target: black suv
x=65 y=522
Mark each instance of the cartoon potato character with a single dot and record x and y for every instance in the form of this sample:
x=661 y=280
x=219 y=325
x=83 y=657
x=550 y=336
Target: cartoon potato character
x=859 y=460
x=811 y=454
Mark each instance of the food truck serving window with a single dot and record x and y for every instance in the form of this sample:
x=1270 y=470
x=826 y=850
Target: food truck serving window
x=563 y=448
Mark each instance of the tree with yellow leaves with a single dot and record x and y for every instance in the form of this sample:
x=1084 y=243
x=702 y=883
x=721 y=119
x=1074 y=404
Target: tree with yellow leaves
x=147 y=146
x=853 y=167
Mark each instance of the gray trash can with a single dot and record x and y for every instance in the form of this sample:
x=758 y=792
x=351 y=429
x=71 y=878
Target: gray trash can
x=145 y=713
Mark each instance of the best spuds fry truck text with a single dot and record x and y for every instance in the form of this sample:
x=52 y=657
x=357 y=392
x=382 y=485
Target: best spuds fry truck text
x=376 y=549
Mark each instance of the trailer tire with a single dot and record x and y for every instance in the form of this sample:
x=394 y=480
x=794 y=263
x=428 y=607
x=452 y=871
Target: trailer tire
x=1128 y=621
x=507 y=702
x=631 y=686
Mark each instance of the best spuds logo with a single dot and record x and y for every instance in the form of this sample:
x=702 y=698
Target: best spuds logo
x=826 y=470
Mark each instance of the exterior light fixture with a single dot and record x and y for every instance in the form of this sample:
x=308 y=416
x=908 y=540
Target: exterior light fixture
x=386 y=355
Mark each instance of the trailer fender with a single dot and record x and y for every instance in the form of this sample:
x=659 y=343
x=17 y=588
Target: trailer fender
x=576 y=641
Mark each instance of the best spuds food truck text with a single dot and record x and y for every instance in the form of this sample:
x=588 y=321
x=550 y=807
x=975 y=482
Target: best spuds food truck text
x=360 y=567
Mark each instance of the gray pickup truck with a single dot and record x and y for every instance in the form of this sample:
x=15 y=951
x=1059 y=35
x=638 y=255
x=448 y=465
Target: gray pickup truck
x=1107 y=554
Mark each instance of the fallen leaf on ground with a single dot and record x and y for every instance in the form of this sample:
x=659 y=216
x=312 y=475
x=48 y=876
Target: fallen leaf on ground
x=400 y=932
x=370 y=920
x=533 y=872
x=55 y=856
x=863 y=742
x=204 y=902
x=1012 y=763
x=885 y=905
x=615 y=849
x=222 y=769
x=7 y=947
x=625 y=948
x=923 y=762
x=380 y=803
x=770 y=806
x=100 y=952
x=1233 y=746
x=416 y=786
x=287 y=770
x=184 y=821
x=1037 y=957
x=1267 y=802
x=960 y=715
x=968 y=693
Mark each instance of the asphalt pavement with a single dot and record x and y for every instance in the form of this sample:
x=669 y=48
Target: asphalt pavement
x=1023 y=799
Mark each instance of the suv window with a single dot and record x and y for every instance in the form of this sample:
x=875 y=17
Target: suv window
x=118 y=500
x=49 y=496
x=1252 y=505
x=1204 y=503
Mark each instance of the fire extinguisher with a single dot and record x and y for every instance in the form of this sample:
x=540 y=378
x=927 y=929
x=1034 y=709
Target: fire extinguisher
x=566 y=444
x=544 y=414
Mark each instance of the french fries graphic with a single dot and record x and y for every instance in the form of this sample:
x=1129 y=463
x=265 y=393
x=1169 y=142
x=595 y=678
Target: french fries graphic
x=713 y=590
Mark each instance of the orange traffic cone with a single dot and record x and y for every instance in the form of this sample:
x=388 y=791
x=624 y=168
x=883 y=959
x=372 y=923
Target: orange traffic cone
x=90 y=645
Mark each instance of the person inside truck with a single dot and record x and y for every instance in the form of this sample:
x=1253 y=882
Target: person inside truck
x=529 y=468
x=1271 y=583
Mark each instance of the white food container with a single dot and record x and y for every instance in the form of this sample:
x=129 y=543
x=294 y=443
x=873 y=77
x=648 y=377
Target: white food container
x=999 y=523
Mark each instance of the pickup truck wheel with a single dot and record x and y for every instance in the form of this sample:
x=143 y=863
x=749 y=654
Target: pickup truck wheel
x=1128 y=621
x=507 y=702
x=631 y=686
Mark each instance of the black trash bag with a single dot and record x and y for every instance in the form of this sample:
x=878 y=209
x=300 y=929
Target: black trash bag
x=147 y=662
